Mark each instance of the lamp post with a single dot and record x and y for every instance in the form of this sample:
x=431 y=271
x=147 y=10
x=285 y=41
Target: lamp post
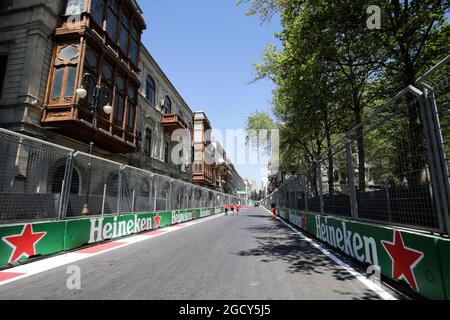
x=94 y=97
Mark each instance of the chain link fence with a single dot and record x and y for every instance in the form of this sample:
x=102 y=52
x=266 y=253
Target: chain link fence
x=43 y=181
x=390 y=169
x=32 y=176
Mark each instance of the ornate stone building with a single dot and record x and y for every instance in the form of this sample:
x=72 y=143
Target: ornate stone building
x=46 y=49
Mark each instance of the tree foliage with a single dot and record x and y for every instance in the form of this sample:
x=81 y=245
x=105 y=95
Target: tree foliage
x=333 y=70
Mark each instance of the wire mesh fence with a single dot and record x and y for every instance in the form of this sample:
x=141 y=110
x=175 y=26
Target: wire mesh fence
x=32 y=176
x=392 y=168
x=395 y=186
x=43 y=181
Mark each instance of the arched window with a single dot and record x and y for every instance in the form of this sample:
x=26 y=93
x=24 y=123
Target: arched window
x=65 y=69
x=167 y=106
x=150 y=92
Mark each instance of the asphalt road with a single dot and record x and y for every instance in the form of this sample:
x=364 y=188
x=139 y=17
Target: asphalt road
x=249 y=257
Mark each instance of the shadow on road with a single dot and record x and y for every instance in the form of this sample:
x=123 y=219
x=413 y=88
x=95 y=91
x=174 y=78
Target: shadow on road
x=276 y=242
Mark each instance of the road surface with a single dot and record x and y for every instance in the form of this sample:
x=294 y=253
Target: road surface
x=226 y=258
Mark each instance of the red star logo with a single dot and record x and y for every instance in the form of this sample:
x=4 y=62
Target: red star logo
x=194 y=215
x=304 y=223
x=157 y=220
x=404 y=259
x=24 y=244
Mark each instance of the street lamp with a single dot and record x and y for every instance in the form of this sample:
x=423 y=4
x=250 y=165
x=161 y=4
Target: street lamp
x=94 y=97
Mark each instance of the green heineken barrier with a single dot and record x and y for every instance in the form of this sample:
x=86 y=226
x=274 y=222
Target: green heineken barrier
x=21 y=242
x=444 y=250
x=422 y=261
x=98 y=229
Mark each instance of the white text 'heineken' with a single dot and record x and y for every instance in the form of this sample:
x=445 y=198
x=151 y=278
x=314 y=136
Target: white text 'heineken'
x=181 y=217
x=117 y=229
x=205 y=213
x=364 y=249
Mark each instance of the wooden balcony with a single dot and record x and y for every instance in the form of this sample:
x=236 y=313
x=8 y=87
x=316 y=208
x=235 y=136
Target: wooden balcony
x=77 y=123
x=202 y=174
x=172 y=122
x=224 y=170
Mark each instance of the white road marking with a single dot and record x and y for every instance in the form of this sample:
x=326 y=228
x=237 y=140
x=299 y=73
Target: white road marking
x=368 y=283
x=34 y=268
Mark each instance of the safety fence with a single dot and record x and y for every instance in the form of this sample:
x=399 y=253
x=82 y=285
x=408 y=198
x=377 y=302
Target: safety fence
x=41 y=181
x=390 y=169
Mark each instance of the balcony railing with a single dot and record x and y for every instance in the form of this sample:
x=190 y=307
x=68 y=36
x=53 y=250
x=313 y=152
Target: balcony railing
x=78 y=123
x=172 y=122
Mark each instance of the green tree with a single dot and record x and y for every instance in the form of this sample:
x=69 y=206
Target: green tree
x=333 y=70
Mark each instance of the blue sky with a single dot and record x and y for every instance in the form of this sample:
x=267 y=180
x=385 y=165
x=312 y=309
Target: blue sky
x=206 y=48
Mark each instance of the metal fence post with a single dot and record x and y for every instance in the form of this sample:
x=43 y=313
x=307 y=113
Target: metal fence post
x=305 y=186
x=120 y=190
x=66 y=187
x=170 y=195
x=351 y=180
x=320 y=184
x=436 y=158
x=150 y=191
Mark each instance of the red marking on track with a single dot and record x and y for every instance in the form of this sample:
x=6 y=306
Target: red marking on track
x=179 y=225
x=9 y=275
x=154 y=232
x=102 y=247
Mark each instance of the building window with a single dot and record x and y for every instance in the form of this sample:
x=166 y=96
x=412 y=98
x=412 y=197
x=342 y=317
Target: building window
x=167 y=106
x=66 y=63
x=131 y=108
x=120 y=26
x=98 y=11
x=124 y=91
x=124 y=34
x=181 y=115
x=150 y=91
x=166 y=152
x=111 y=19
x=134 y=46
x=148 y=142
x=3 y=62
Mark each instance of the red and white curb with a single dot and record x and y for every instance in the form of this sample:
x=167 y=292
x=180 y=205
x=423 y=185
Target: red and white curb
x=33 y=268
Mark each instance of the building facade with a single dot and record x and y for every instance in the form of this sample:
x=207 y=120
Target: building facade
x=51 y=49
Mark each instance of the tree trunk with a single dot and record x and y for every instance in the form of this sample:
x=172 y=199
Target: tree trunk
x=330 y=157
x=416 y=149
x=361 y=150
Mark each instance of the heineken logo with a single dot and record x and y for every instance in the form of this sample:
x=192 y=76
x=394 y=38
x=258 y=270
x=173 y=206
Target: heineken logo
x=404 y=259
x=23 y=244
x=157 y=221
x=304 y=222
x=362 y=248
x=181 y=217
x=101 y=231
x=301 y=222
x=295 y=219
x=205 y=213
